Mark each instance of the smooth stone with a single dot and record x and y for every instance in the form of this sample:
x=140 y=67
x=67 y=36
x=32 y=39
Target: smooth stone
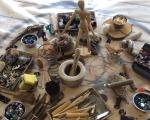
x=2 y=65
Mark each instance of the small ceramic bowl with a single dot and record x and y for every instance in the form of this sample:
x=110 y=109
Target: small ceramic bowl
x=13 y=111
x=141 y=101
x=29 y=40
x=119 y=21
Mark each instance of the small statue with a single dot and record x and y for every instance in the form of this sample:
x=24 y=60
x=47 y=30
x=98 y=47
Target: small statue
x=85 y=24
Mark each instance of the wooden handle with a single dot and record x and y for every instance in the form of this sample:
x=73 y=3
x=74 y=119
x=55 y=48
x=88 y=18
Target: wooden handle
x=75 y=62
x=60 y=108
x=127 y=71
x=76 y=115
x=120 y=83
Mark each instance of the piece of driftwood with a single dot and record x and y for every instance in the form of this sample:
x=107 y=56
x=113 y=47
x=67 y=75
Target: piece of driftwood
x=44 y=75
x=29 y=29
x=36 y=109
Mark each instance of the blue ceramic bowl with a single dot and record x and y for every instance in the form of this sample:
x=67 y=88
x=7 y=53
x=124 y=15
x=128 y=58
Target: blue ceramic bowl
x=29 y=40
x=141 y=101
x=15 y=111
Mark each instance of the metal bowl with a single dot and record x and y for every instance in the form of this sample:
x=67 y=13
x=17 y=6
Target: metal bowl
x=141 y=101
x=29 y=40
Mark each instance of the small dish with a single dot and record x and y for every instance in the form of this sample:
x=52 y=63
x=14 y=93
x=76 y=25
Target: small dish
x=119 y=21
x=29 y=40
x=141 y=101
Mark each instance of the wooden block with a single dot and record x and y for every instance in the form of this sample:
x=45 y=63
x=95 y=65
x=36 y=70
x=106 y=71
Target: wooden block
x=84 y=52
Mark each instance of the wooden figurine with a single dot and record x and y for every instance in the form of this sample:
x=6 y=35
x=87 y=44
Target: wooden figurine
x=85 y=24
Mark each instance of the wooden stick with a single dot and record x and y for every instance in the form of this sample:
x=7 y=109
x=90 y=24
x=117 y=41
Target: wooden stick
x=44 y=76
x=73 y=110
x=77 y=101
x=60 y=108
x=75 y=62
x=74 y=115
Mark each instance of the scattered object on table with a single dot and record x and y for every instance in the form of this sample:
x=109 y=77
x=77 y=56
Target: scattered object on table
x=29 y=40
x=131 y=46
x=63 y=18
x=76 y=115
x=50 y=29
x=61 y=108
x=14 y=111
x=12 y=56
x=84 y=26
x=73 y=70
x=103 y=115
x=114 y=53
x=120 y=84
x=113 y=50
x=17 y=63
x=46 y=51
x=4 y=99
x=65 y=69
x=119 y=21
x=144 y=88
x=95 y=47
x=118 y=102
x=135 y=36
x=141 y=62
x=41 y=33
x=53 y=89
x=2 y=65
x=84 y=52
x=127 y=71
x=119 y=88
x=124 y=43
x=142 y=101
x=106 y=27
x=123 y=116
x=108 y=40
x=38 y=111
x=87 y=105
x=44 y=76
x=63 y=45
x=120 y=28
x=105 y=98
x=29 y=29
x=23 y=96
x=28 y=82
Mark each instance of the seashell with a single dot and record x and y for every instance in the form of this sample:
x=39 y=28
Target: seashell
x=135 y=36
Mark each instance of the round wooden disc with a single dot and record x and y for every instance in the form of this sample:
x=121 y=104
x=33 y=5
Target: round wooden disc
x=119 y=34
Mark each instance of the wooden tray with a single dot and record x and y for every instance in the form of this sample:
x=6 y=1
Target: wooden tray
x=96 y=99
x=22 y=72
x=73 y=31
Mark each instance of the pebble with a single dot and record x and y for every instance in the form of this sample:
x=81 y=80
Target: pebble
x=2 y=65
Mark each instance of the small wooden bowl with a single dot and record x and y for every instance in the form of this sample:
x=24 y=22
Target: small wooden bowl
x=117 y=24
